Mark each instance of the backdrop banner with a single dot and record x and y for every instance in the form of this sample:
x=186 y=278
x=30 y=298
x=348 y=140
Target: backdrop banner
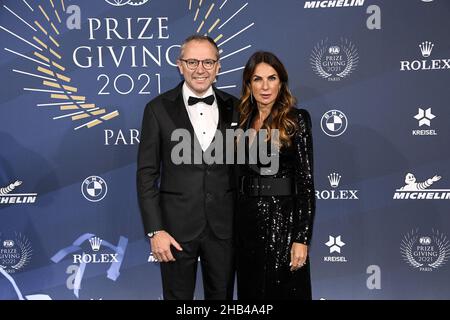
x=76 y=76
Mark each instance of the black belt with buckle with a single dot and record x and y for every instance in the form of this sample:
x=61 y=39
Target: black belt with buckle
x=264 y=186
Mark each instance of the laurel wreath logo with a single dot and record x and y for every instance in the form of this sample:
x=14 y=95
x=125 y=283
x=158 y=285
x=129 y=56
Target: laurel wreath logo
x=24 y=246
x=319 y=52
x=444 y=249
x=406 y=248
x=316 y=59
x=441 y=241
x=352 y=58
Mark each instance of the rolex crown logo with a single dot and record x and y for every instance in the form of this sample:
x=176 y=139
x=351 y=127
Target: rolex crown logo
x=334 y=179
x=426 y=48
x=95 y=243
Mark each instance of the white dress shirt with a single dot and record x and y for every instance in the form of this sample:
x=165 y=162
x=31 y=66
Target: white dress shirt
x=204 y=118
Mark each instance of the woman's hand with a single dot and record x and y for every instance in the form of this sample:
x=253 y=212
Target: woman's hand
x=299 y=252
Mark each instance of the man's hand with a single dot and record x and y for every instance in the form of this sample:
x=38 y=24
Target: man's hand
x=160 y=245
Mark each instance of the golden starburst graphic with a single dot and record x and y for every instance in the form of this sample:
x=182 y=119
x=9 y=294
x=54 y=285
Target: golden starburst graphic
x=40 y=24
x=49 y=65
x=209 y=20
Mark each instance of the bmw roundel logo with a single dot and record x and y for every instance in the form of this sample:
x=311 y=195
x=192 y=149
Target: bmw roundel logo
x=333 y=123
x=94 y=188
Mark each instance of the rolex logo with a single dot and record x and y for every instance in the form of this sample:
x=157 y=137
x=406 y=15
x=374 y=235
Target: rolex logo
x=334 y=179
x=95 y=243
x=336 y=193
x=422 y=64
x=426 y=48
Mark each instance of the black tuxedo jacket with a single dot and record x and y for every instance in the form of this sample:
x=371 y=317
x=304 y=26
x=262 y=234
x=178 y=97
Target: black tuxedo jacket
x=188 y=196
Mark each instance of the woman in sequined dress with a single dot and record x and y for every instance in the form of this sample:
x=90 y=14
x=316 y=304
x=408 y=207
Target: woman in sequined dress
x=275 y=210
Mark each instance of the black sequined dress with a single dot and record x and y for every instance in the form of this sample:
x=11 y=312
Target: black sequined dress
x=266 y=226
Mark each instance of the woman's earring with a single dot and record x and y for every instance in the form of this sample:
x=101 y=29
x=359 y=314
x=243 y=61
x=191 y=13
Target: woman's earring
x=251 y=97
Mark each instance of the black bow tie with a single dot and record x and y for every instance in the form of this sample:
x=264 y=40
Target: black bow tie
x=208 y=100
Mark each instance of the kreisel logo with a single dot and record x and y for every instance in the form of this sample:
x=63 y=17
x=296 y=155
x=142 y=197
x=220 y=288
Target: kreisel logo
x=335 y=193
x=426 y=49
x=424 y=251
x=94 y=188
x=335 y=244
x=419 y=190
x=334 y=61
x=15 y=252
x=424 y=117
x=7 y=197
x=334 y=123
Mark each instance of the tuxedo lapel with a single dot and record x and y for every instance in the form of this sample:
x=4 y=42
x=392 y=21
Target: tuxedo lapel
x=178 y=113
x=225 y=112
x=225 y=108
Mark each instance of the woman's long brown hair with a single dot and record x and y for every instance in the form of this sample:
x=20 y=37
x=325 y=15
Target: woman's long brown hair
x=280 y=116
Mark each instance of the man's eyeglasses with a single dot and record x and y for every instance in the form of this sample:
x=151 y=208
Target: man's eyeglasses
x=192 y=64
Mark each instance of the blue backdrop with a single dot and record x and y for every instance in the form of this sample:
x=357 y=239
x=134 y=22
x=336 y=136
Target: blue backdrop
x=75 y=78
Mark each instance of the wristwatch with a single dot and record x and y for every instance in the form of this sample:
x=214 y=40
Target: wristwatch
x=153 y=233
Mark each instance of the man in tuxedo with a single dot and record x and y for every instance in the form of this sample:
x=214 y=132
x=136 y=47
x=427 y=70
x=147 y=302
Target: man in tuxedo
x=190 y=214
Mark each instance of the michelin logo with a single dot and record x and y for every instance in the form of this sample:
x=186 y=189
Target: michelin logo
x=420 y=190
x=6 y=197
